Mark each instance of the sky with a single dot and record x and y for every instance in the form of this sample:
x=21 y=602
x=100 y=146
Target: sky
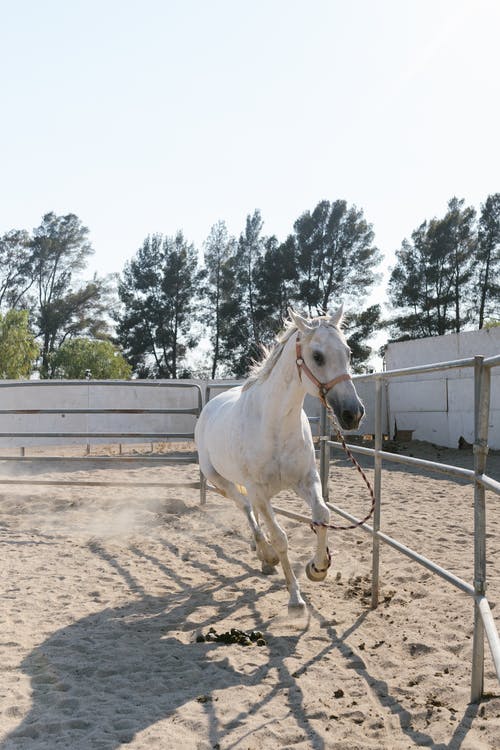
x=145 y=116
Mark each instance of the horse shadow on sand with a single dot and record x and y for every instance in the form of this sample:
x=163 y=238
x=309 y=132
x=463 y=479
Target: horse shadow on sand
x=112 y=674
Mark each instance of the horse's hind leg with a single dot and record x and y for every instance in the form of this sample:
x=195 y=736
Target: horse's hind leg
x=265 y=551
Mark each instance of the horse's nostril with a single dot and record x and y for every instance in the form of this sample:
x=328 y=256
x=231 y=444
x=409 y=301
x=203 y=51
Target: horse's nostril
x=347 y=417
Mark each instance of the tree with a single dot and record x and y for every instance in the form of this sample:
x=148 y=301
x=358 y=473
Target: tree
x=240 y=334
x=249 y=252
x=419 y=288
x=158 y=292
x=458 y=228
x=63 y=309
x=335 y=254
x=277 y=279
x=488 y=260
x=18 y=349
x=431 y=281
x=16 y=268
x=77 y=356
x=358 y=329
x=219 y=249
x=330 y=256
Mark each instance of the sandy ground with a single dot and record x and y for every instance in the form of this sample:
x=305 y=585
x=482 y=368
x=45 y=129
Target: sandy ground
x=104 y=591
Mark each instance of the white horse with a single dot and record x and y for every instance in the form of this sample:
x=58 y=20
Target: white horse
x=254 y=441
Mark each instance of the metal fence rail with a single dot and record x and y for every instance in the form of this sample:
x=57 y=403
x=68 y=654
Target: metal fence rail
x=484 y=624
x=89 y=436
x=204 y=486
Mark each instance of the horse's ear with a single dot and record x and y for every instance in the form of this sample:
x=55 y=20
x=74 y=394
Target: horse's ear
x=337 y=316
x=301 y=323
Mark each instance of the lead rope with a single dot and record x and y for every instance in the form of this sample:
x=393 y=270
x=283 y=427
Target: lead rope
x=333 y=420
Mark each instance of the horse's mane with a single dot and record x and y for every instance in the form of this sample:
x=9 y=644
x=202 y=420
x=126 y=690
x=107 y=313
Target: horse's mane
x=260 y=371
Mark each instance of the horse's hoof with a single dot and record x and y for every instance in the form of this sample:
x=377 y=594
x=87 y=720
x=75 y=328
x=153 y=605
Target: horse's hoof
x=314 y=574
x=271 y=558
x=267 y=569
x=297 y=610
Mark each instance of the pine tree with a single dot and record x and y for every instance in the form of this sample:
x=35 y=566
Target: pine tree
x=431 y=283
x=16 y=268
x=240 y=333
x=158 y=292
x=336 y=256
x=277 y=283
x=219 y=249
x=487 y=274
x=358 y=328
x=62 y=305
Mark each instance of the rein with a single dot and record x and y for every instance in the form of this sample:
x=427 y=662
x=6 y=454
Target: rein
x=323 y=389
x=333 y=420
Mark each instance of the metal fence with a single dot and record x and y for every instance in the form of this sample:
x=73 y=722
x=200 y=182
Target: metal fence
x=89 y=436
x=484 y=624
x=483 y=619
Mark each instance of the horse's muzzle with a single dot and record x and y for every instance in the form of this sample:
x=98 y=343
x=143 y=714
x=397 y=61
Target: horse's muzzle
x=349 y=415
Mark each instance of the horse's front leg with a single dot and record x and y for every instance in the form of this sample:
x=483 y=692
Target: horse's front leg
x=310 y=490
x=296 y=604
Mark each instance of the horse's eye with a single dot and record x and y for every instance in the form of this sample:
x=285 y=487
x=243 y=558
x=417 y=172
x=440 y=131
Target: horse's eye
x=318 y=358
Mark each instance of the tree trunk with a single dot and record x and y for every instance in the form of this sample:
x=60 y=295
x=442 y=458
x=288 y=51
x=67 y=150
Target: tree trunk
x=484 y=290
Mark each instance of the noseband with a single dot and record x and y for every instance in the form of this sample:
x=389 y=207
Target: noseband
x=322 y=387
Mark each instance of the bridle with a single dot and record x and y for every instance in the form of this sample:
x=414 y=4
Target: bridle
x=322 y=387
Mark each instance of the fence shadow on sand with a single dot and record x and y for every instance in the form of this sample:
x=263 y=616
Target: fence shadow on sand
x=112 y=674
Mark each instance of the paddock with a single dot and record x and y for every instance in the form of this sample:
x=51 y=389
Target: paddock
x=105 y=591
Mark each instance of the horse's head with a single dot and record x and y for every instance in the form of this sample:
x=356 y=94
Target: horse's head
x=323 y=358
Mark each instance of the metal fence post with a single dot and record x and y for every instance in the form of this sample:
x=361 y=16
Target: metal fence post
x=87 y=378
x=324 y=453
x=482 y=381
x=377 y=491
x=203 y=489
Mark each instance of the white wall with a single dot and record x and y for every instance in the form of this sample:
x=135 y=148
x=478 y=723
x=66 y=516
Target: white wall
x=61 y=395
x=64 y=395
x=311 y=405
x=365 y=389
x=439 y=406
